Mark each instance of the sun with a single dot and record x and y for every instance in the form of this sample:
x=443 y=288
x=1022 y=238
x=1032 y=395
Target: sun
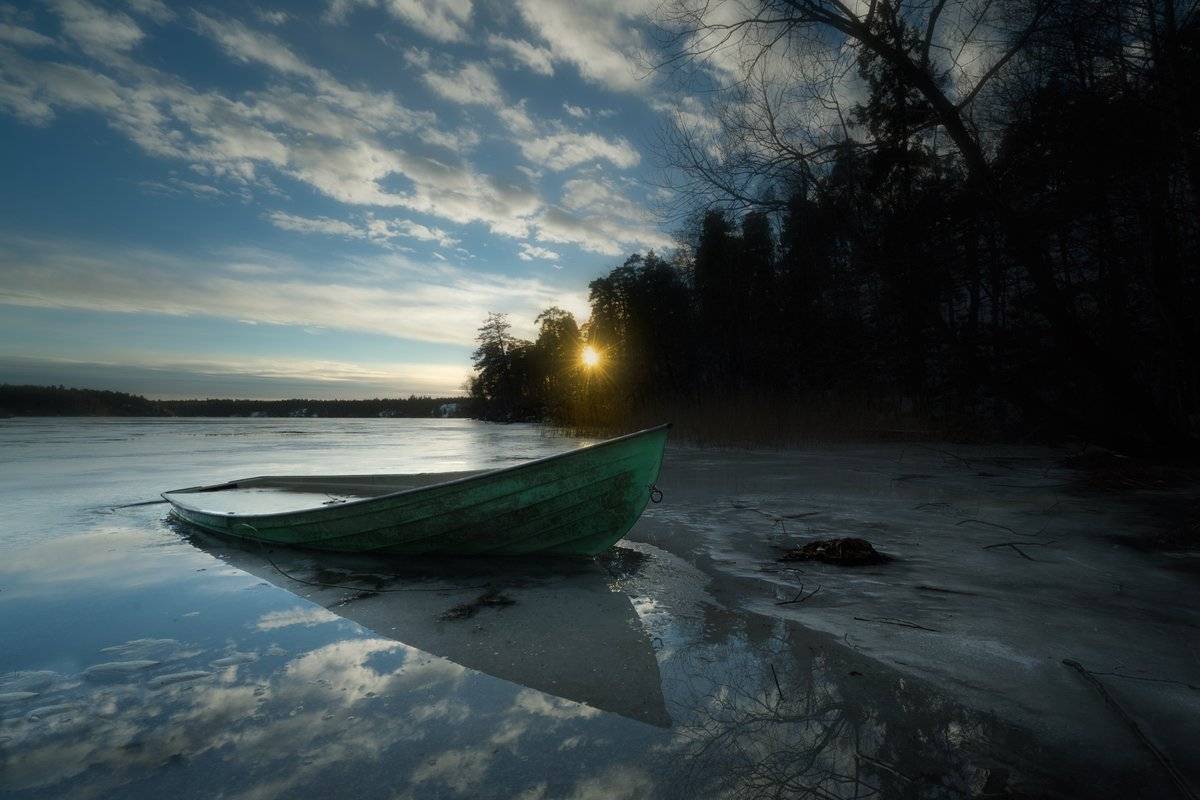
x=590 y=357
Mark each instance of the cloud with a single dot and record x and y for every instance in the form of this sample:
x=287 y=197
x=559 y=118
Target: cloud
x=375 y=229
x=336 y=138
x=559 y=151
x=271 y=17
x=413 y=230
x=600 y=37
x=529 y=252
x=154 y=10
x=298 y=615
x=443 y=20
x=246 y=45
x=581 y=112
x=31 y=91
x=163 y=376
x=96 y=31
x=23 y=37
x=357 y=146
x=472 y=84
x=599 y=195
x=462 y=770
x=173 y=185
x=516 y=118
x=531 y=701
x=593 y=214
x=322 y=225
x=389 y=294
x=536 y=59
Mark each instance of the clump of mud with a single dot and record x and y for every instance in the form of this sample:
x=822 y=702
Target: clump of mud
x=846 y=552
x=489 y=599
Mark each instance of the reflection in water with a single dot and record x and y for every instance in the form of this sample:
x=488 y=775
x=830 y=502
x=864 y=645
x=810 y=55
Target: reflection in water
x=562 y=628
x=796 y=718
x=146 y=668
x=133 y=726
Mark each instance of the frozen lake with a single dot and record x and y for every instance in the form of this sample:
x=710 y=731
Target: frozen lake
x=139 y=659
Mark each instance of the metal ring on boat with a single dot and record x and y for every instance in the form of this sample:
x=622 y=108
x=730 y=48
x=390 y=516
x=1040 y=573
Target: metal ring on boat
x=656 y=494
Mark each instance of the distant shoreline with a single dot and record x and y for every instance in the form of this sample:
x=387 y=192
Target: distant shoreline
x=61 y=401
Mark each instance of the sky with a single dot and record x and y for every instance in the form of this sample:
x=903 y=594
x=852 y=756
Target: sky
x=311 y=199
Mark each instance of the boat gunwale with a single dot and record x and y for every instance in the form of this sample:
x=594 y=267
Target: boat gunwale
x=377 y=498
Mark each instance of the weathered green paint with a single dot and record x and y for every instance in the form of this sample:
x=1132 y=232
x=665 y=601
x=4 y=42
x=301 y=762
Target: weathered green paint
x=580 y=502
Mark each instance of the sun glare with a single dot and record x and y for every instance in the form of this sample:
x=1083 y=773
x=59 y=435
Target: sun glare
x=590 y=356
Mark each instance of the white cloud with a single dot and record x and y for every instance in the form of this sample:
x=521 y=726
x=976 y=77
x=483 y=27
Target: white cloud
x=389 y=293
x=415 y=230
x=559 y=151
x=529 y=252
x=536 y=59
x=530 y=701
x=354 y=145
x=299 y=615
x=322 y=225
x=337 y=10
x=23 y=37
x=600 y=37
x=378 y=230
x=334 y=138
x=472 y=84
x=272 y=17
x=174 y=185
x=516 y=118
x=32 y=90
x=443 y=20
x=600 y=196
x=578 y=112
x=596 y=216
x=155 y=10
x=168 y=376
x=462 y=770
x=97 y=31
x=247 y=45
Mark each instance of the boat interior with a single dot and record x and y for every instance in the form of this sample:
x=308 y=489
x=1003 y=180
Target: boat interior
x=272 y=494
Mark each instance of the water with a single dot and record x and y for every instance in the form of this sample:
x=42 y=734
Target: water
x=141 y=659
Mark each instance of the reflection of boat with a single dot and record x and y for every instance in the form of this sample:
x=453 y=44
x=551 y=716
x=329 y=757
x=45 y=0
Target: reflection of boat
x=577 y=502
x=565 y=633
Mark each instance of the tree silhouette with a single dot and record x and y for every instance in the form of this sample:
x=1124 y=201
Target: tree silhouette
x=950 y=215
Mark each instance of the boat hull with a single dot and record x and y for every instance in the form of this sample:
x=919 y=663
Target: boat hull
x=580 y=503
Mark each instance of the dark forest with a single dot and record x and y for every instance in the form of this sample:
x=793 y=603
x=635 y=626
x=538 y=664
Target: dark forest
x=1016 y=260
x=62 y=401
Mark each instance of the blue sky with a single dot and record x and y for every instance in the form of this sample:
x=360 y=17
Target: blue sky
x=318 y=199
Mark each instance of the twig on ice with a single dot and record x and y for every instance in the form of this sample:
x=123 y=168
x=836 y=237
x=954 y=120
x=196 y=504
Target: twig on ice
x=800 y=596
x=989 y=524
x=903 y=623
x=1018 y=545
x=1180 y=783
x=1014 y=546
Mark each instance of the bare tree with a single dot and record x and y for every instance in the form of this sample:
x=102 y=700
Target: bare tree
x=778 y=75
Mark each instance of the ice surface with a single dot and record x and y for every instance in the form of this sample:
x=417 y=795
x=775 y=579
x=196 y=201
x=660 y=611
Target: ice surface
x=938 y=674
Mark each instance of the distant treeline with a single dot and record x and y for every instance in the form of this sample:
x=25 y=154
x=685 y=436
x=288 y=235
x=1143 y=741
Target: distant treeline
x=61 y=401
x=1024 y=262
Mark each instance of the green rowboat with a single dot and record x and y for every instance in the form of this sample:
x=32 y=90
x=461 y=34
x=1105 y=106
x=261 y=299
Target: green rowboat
x=579 y=502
